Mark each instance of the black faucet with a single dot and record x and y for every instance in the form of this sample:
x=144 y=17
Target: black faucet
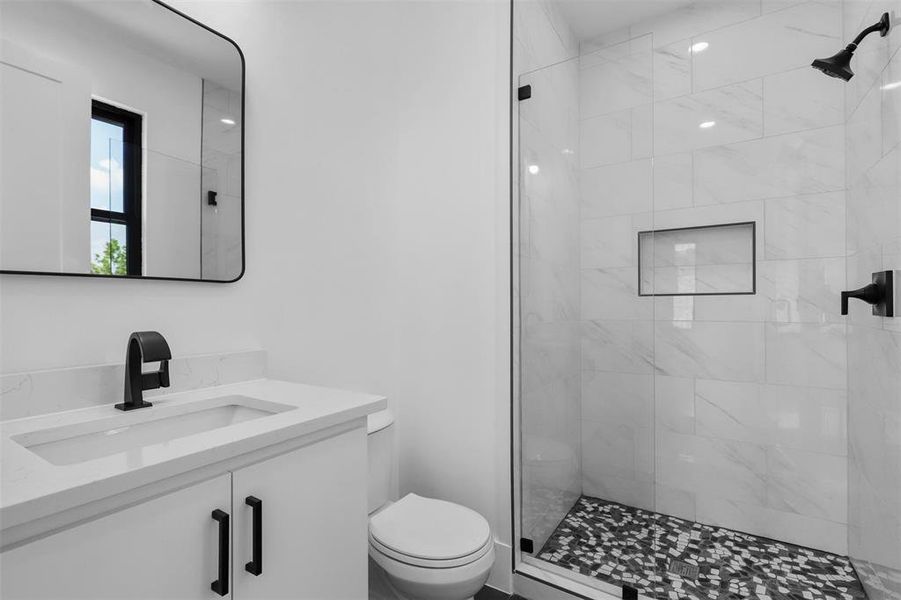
x=144 y=347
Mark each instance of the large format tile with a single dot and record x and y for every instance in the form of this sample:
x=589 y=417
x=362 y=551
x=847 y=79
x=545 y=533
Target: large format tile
x=695 y=19
x=801 y=99
x=626 y=398
x=607 y=242
x=729 y=351
x=777 y=41
x=785 y=165
x=606 y=139
x=812 y=225
x=616 y=190
x=672 y=70
x=806 y=354
x=774 y=524
x=618 y=346
x=609 y=294
x=801 y=291
x=735 y=112
x=807 y=483
x=711 y=467
x=611 y=449
x=672 y=181
x=790 y=417
x=616 y=84
x=674 y=404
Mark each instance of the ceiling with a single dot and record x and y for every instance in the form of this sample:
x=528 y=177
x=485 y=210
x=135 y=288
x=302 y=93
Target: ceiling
x=590 y=19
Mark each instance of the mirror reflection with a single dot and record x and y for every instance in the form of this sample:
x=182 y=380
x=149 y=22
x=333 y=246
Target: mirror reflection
x=121 y=139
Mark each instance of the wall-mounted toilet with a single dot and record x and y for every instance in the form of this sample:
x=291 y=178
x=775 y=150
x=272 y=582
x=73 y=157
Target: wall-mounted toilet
x=426 y=549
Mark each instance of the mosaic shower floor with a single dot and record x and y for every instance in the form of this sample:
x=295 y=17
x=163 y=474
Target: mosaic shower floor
x=675 y=559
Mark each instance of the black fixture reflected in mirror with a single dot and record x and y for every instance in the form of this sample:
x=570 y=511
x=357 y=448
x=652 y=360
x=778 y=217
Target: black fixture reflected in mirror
x=839 y=64
x=144 y=347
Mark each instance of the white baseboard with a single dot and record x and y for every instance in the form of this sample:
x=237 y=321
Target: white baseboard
x=501 y=577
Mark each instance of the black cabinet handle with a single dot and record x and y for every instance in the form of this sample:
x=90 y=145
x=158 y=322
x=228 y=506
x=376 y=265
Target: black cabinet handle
x=255 y=566
x=220 y=586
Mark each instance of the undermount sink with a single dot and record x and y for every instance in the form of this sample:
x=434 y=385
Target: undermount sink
x=130 y=432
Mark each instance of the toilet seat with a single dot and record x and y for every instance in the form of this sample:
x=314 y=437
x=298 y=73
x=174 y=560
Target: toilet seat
x=430 y=533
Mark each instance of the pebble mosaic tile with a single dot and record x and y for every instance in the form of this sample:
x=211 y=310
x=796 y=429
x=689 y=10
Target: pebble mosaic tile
x=670 y=558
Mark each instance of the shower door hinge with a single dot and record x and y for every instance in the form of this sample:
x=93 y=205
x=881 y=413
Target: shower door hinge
x=526 y=545
x=525 y=92
x=630 y=593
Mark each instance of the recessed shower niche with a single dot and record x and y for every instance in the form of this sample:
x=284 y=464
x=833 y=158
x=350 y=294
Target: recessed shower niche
x=703 y=260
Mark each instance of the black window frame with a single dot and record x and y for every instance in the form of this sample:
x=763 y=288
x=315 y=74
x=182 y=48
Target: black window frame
x=132 y=175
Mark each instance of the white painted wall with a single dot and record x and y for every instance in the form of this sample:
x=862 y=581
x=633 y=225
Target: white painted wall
x=377 y=215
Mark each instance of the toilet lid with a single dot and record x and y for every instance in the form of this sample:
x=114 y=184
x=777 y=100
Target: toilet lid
x=429 y=529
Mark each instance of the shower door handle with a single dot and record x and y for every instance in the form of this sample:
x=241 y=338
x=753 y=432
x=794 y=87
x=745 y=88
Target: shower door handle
x=879 y=293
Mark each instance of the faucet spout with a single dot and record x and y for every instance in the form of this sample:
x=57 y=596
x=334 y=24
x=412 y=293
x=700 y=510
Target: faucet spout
x=144 y=347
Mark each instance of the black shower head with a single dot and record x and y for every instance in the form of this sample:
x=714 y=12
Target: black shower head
x=839 y=65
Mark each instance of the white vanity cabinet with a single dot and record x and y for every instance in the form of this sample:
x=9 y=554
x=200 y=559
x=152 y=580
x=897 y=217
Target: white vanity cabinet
x=312 y=532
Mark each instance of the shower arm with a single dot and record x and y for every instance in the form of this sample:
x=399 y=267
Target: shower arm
x=882 y=26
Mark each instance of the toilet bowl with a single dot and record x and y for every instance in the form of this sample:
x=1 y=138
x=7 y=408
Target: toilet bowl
x=427 y=549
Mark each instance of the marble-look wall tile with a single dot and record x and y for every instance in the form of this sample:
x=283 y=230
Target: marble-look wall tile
x=807 y=483
x=606 y=139
x=674 y=404
x=607 y=242
x=772 y=167
x=612 y=294
x=625 y=398
x=801 y=99
x=541 y=36
x=806 y=354
x=550 y=351
x=776 y=524
x=617 y=450
x=812 y=225
x=793 y=36
x=891 y=104
x=801 y=291
x=672 y=70
x=675 y=502
x=711 y=467
x=694 y=18
x=709 y=350
x=672 y=181
x=615 y=84
x=735 y=111
x=41 y=392
x=863 y=136
x=623 y=189
x=618 y=346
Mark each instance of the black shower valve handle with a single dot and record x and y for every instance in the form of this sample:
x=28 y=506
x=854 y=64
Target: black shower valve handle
x=879 y=294
x=871 y=293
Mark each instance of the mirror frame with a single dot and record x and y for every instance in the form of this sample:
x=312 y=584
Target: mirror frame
x=243 y=227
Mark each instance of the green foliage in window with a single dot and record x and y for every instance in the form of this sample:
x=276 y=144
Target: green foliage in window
x=112 y=261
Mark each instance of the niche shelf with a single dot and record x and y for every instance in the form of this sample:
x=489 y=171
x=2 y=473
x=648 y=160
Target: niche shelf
x=706 y=260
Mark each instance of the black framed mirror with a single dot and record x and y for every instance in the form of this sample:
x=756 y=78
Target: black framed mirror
x=121 y=143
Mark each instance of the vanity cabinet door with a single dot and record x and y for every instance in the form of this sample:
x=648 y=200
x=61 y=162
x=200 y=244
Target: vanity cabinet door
x=165 y=548
x=314 y=523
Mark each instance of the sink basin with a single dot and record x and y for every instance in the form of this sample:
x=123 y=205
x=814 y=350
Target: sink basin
x=130 y=432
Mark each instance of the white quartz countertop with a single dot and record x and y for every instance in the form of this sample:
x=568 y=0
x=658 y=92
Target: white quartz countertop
x=32 y=488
